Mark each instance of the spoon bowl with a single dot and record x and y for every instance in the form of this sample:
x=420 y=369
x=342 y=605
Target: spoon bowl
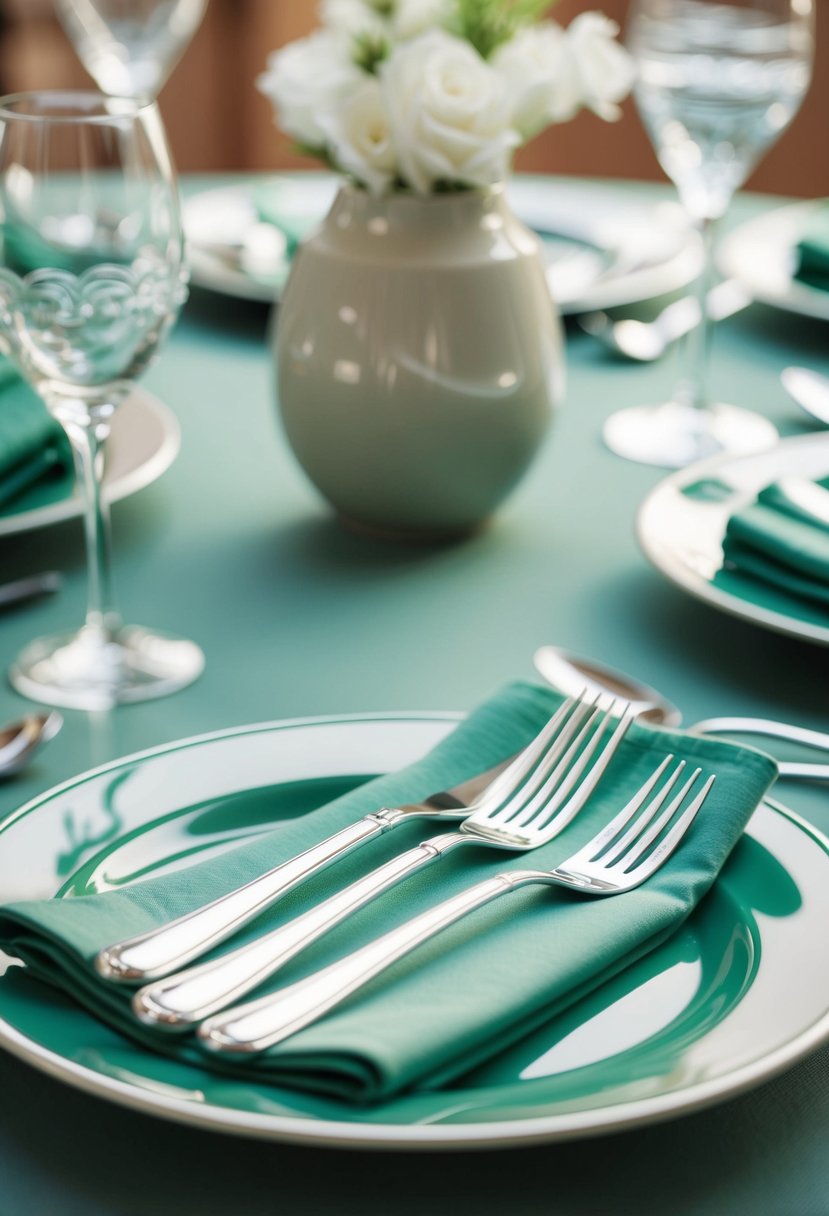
x=19 y=740
x=574 y=676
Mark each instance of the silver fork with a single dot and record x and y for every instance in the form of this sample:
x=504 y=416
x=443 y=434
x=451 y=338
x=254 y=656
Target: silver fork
x=171 y=946
x=622 y=855
x=529 y=812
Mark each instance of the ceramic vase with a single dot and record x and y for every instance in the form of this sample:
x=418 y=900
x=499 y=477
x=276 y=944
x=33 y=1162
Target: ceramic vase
x=419 y=359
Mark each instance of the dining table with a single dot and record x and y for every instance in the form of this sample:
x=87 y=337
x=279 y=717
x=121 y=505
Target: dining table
x=301 y=618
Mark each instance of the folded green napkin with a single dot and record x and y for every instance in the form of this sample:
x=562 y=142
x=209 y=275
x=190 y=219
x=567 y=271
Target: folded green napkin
x=812 y=251
x=33 y=446
x=277 y=204
x=778 y=541
x=479 y=986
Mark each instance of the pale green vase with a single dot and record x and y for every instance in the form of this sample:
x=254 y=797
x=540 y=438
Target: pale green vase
x=420 y=359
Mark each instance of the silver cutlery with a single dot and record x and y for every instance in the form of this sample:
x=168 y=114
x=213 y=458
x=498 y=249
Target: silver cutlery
x=809 y=390
x=646 y=341
x=19 y=740
x=629 y=850
x=169 y=947
x=542 y=803
x=565 y=672
x=29 y=588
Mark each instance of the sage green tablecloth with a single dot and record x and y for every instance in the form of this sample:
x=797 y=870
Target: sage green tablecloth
x=298 y=618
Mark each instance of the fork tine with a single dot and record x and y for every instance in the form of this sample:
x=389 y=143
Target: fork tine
x=597 y=845
x=556 y=814
x=564 y=742
x=556 y=802
x=505 y=785
x=669 y=842
x=620 y=846
x=643 y=835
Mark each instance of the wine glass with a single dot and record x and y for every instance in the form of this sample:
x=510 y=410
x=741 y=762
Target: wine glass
x=92 y=276
x=130 y=47
x=718 y=81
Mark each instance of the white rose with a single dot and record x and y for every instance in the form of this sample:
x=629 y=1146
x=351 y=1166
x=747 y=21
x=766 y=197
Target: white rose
x=414 y=17
x=308 y=77
x=353 y=17
x=541 y=83
x=449 y=113
x=360 y=138
x=603 y=67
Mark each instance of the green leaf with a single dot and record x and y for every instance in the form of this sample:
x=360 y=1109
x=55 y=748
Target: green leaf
x=369 y=52
x=487 y=24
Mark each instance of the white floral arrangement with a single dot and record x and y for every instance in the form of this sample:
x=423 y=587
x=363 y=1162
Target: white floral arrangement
x=434 y=95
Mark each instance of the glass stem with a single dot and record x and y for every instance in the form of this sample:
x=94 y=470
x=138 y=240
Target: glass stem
x=87 y=440
x=697 y=346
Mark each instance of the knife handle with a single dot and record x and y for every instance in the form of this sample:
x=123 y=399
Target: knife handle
x=180 y=1000
x=171 y=946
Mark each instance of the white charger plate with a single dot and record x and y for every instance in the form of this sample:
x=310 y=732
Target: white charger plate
x=726 y=1003
x=761 y=254
x=681 y=524
x=143 y=443
x=605 y=244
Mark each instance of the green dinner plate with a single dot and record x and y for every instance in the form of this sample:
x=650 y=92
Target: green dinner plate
x=726 y=1003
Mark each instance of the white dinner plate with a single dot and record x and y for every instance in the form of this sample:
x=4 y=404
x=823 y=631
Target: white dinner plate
x=681 y=525
x=605 y=244
x=143 y=443
x=762 y=255
x=738 y=993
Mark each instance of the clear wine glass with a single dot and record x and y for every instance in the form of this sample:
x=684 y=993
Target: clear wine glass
x=130 y=47
x=718 y=81
x=92 y=276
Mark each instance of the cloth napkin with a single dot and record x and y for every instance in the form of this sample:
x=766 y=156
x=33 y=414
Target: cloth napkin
x=813 y=251
x=473 y=990
x=780 y=542
x=294 y=223
x=32 y=445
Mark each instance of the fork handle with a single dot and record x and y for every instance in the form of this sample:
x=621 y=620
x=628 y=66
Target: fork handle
x=260 y=1024
x=180 y=1000
x=177 y=943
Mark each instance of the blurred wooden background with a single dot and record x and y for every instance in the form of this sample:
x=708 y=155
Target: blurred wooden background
x=217 y=119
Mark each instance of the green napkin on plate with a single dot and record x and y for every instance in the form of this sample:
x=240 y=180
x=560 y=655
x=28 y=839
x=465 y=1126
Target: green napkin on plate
x=473 y=990
x=780 y=540
x=33 y=446
x=285 y=205
x=812 y=250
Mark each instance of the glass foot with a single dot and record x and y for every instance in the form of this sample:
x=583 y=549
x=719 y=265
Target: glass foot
x=92 y=669
x=674 y=435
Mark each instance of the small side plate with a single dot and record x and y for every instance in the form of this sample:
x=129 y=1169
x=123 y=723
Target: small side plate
x=681 y=524
x=606 y=245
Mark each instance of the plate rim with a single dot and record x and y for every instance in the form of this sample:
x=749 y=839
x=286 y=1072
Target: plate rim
x=421 y=1136
x=129 y=483
x=224 y=280
x=699 y=587
x=805 y=300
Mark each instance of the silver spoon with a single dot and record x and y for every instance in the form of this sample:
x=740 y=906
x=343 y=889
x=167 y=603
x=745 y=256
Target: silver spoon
x=20 y=739
x=570 y=674
x=810 y=390
x=646 y=341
